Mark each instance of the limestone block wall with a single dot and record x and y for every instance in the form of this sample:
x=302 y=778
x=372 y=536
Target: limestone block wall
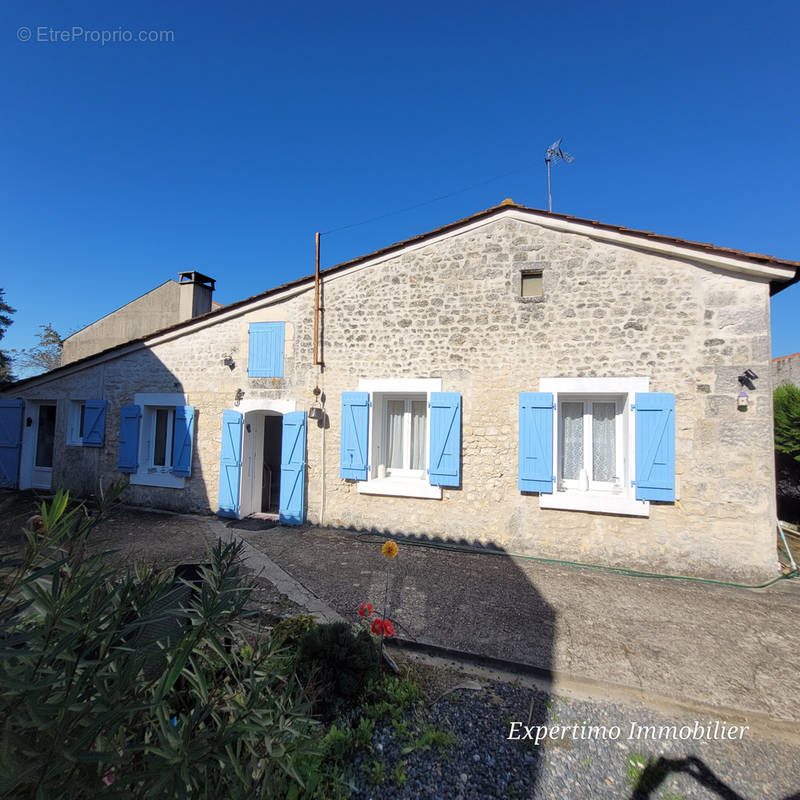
x=452 y=310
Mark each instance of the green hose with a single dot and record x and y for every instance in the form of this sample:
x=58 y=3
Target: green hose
x=616 y=570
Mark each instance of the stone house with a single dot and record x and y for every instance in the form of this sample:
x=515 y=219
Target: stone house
x=167 y=304
x=545 y=384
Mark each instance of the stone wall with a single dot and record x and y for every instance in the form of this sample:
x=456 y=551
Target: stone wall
x=452 y=310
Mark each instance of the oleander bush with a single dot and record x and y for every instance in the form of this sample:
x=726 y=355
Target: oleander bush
x=136 y=684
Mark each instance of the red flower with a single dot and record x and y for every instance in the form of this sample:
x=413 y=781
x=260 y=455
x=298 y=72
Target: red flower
x=388 y=628
x=377 y=626
x=365 y=610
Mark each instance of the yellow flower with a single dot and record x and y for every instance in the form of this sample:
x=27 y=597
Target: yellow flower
x=389 y=549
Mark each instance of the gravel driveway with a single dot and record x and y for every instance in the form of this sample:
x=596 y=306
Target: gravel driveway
x=483 y=763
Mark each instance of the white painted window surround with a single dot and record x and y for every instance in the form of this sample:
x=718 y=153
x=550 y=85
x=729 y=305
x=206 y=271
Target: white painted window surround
x=381 y=480
x=616 y=496
x=148 y=474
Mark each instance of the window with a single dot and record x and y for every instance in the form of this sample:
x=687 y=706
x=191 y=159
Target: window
x=158 y=445
x=401 y=437
x=156 y=440
x=86 y=421
x=532 y=284
x=405 y=440
x=591 y=446
x=578 y=444
x=76 y=420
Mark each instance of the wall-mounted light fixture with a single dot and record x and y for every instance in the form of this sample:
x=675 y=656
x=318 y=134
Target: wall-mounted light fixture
x=742 y=400
x=316 y=412
x=237 y=398
x=229 y=362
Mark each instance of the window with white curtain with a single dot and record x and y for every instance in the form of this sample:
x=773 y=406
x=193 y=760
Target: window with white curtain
x=405 y=436
x=590 y=447
x=399 y=436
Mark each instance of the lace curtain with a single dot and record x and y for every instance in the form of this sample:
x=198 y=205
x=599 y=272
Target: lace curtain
x=571 y=440
x=604 y=445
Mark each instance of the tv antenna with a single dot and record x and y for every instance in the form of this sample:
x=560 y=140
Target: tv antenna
x=555 y=151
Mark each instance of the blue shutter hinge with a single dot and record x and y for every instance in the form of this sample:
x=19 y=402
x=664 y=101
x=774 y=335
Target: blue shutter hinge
x=553 y=478
x=554 y=405
x=633 y=407
x=633 y=483
x=369 y=403
x=369 y=468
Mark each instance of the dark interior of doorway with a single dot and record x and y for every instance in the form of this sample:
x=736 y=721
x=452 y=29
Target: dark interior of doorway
x=271 y=476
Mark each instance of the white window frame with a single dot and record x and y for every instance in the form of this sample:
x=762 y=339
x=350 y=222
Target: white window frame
x=148 y=473
x=406 y=471
x=396 y=483
x=168 y=433
x=600 y=497
x=619 y=434
x=74 y=410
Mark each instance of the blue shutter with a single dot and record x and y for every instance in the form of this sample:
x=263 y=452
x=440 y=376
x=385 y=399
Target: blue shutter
x=266 y=350
x=293 y=468
x=445 y=441
x=655 y=446
x=536 y=442
x=11 y=412
x=230 y=464
x=94 y=423
x=354 y=458
x=182 y=437
x=129 y=422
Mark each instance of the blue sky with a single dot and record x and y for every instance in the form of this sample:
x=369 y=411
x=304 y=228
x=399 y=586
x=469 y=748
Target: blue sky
x=225 y=149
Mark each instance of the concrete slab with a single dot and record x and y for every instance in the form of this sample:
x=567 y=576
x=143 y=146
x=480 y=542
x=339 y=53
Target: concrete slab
x=692 y=642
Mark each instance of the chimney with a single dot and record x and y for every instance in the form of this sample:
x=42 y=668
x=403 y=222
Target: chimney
x=195 y=294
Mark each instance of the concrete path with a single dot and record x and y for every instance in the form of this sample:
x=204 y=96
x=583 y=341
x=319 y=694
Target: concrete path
x=693 y=643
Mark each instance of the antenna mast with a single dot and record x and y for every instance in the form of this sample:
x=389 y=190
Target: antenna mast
x=555 y=151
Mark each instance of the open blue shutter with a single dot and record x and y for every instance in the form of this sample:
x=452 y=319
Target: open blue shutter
x=129 y=421
x=230 y=464
x=11 y=412
x=182 y=437
x=536 y=442
x=293 y=468
x=94 y=423
x=655 y=446
x=445 y=442
x=354 y=460
x=266 y=350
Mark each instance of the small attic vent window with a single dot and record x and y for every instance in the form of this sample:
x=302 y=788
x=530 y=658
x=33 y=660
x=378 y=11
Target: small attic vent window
x=532 y=284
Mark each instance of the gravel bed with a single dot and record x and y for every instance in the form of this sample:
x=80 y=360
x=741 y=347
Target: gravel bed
x=482 y=762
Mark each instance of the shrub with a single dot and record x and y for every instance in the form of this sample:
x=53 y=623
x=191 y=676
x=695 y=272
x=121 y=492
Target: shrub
x=133 y=684
x=338 y=663
x=786 y=407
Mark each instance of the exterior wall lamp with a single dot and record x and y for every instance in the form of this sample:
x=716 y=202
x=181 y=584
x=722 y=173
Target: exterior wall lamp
x=746 y=381
x=316 y=412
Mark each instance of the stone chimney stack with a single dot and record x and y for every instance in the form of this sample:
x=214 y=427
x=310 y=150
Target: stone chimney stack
x=195 y=297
